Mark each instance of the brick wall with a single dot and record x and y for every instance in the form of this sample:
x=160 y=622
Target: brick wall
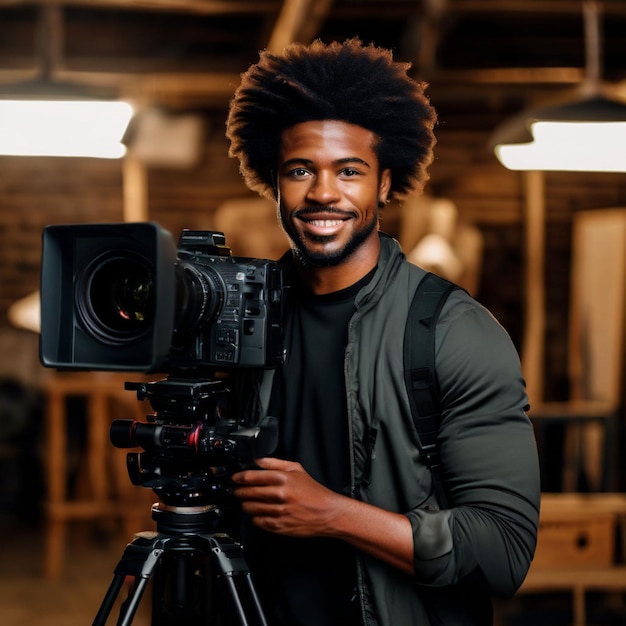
x=37 y=192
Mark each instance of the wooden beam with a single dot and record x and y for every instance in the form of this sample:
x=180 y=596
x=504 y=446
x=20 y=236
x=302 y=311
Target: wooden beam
x=569 y=7
x=311 y=27
x=299 y=20
x=201 y=7
x=150 y=84
x=534 y=298
x=511 y=76
x=135 y=191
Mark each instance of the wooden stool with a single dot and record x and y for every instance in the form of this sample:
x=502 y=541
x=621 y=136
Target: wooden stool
x=99 y=389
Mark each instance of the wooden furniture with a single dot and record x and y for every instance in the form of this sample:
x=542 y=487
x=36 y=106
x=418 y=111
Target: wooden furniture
x=98 y=500
x=580 y=534
x=578 y=548
x=578 y=582
x=597 y=330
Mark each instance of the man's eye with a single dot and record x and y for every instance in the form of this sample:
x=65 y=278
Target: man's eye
x=350 y=171
x=298 y=172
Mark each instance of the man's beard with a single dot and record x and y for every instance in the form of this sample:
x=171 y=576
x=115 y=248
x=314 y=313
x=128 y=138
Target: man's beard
x=313 y=259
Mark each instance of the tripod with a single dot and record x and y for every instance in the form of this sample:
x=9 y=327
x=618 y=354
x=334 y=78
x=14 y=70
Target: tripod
x=199 y=577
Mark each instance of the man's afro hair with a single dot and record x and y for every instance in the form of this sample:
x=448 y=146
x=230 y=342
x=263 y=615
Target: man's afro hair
x=348 y=81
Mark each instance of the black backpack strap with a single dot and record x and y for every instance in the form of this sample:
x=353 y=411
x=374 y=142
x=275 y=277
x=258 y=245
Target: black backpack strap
x=423 y=389
x=419 y=368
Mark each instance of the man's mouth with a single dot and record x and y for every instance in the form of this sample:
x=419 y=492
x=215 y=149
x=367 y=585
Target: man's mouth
x=324 y=223
x=322 y=226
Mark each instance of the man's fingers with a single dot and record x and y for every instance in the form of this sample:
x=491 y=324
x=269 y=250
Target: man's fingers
x=257 y=477
x=272 y=463
x=271 y=472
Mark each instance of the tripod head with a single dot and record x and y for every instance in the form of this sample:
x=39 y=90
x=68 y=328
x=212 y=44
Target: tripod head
x=191 y=445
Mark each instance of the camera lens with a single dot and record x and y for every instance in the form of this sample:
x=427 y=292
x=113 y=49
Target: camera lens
x=199 y=296
x=115 y=297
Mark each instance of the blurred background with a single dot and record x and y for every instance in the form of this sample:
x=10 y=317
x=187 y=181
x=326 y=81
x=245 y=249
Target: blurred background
x=542 y=246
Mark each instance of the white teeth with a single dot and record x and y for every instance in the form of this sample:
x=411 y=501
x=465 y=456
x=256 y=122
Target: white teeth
x=326 y=223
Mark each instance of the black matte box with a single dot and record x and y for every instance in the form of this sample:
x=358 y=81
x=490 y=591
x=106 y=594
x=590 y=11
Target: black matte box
x=68 y=251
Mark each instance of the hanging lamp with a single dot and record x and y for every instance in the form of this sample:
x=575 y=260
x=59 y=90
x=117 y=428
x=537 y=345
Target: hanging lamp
x=586 y=132
x=47 y=117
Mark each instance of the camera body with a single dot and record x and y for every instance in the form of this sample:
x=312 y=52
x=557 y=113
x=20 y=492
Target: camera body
x=123 y=297
x=239 y=322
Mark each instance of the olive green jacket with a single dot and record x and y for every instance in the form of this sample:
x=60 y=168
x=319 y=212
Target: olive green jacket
x=487 y=533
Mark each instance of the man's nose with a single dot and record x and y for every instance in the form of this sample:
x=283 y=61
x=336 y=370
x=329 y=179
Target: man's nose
x=324 y=189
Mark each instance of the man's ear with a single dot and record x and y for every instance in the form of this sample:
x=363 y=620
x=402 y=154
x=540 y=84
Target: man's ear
x=383 y=187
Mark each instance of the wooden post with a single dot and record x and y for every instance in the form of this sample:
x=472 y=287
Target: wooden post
x=534 y=289
x=135 y=182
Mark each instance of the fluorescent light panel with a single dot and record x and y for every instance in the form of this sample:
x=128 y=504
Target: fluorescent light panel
x=63 y=128
x=569 y=146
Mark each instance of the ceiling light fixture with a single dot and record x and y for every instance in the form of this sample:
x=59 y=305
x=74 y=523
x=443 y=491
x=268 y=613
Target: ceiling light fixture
x=64 y=128
x=47 y=117
x=585 y=133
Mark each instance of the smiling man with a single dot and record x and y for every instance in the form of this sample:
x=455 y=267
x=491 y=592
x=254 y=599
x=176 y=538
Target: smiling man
x=330 y=189
x=346 y=527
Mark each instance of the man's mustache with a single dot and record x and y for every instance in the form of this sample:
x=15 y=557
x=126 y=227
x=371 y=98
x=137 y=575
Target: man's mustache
x=320 y=208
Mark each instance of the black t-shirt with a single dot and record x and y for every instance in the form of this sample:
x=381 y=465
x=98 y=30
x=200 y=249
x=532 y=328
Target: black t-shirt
x=311 y=581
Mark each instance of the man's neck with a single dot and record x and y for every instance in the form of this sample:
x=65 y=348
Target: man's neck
x=321 y=280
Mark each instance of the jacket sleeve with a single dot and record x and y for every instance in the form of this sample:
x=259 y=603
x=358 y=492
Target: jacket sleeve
x=489 y=459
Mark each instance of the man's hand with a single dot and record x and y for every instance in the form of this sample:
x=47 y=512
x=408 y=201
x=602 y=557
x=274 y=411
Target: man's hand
x=283 y=498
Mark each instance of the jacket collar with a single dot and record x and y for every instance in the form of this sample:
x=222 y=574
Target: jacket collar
x=390 y=257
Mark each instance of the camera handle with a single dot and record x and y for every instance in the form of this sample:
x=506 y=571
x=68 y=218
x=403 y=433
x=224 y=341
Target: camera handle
x=199 y=577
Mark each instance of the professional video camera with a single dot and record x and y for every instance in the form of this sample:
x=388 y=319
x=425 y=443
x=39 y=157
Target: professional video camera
x=122 y=297
x=117 y=297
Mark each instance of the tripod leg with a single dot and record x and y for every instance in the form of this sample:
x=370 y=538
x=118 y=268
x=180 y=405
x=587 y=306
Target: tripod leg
x=231 y=564
x=130 y=605
x=109 y=601
x=139 y=560
x=258 y=618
